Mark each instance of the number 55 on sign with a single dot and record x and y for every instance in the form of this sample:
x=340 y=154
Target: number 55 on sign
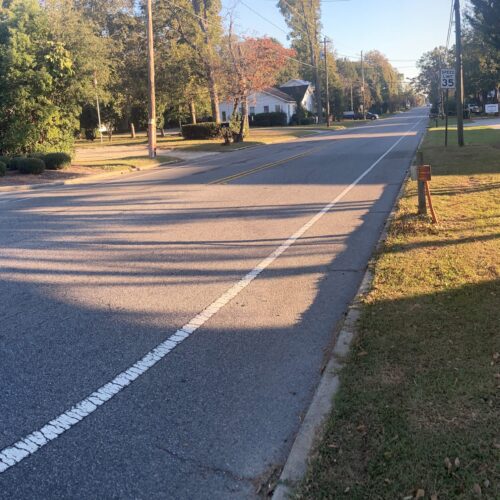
x=448 y=79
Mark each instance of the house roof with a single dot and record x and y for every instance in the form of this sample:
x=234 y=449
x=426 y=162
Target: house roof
x=278 y=94
x=295 y=83
x=296 y=92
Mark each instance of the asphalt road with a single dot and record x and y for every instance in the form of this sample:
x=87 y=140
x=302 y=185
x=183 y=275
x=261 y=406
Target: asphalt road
x=94 y=277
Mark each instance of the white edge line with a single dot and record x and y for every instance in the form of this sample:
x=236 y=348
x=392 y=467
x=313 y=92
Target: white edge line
x=14 y=454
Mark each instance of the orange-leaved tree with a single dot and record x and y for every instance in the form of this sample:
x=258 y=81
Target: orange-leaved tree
x=253 y=65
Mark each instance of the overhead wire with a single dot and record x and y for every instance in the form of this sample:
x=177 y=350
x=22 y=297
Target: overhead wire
x=239 y=36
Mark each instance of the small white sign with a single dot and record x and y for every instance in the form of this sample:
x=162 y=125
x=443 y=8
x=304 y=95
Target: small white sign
x=491 y=109
x=448 y=79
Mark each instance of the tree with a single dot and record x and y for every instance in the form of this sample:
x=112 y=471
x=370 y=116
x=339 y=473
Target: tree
x=486 y=20
x=303 y=17
x=384 y=82
x=430 y=65
x=255 y=65
x=481 y=67
x=197 y=23
x=36 y=69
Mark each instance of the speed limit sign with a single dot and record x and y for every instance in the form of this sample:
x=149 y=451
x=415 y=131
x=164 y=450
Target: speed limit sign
x=447 y=78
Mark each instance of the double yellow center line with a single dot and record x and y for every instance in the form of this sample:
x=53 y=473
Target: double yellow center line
x=229 y=178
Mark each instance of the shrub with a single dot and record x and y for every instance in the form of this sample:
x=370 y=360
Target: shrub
x=14 y=162
x=90 y=134
x=30 y=165
x=275 y=119
x=204 y=130
x=5 y=160
x=56 y=161
x=3 y=168
x=308 y=121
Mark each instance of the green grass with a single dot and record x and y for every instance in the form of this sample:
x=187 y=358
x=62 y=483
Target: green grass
x=257 y=136
x=419 y=406
x=124 y=164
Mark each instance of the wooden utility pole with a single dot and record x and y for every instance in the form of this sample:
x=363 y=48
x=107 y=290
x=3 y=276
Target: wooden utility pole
x=459 y=75
x=151 y=82
x=325 y=41
x=363 y=84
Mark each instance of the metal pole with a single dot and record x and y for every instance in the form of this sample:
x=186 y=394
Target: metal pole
x=459 y=75
x=98 y=107
x=327 y=89
x=151 y=82
x=363 y=83
x=446 y=120
x=352 y=99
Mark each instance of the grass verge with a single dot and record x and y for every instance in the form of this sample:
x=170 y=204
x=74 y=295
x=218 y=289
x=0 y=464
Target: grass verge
x=418 y=412
x=123 y=164
x=257 y=136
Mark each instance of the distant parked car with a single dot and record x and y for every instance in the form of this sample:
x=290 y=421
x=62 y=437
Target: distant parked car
x=372 y=116
x=351 y=115
x=473 y=108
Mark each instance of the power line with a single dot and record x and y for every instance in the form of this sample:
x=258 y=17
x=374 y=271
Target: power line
x=239 y=36
x=450 y=24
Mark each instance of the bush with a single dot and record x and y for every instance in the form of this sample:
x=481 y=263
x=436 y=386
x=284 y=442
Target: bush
x=308 y=121
x=56 y=161
x=204 y=130
x=90 y=134
x=275 y=119
x=29 y=165
x=5 y=160
x=3 y=168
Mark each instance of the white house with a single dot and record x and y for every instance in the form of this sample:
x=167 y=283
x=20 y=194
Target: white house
x=301 y=91
x=267 y=101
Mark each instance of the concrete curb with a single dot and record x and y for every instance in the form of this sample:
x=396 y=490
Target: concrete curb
x=323 y=402
x=82 y=180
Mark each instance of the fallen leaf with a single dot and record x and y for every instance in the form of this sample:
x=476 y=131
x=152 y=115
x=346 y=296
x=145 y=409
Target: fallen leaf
x=457 y=462
x=447 y=464
x=363 y=353
x=434 y=496
x=477 y=490
x=486 y=483
x=420 y=493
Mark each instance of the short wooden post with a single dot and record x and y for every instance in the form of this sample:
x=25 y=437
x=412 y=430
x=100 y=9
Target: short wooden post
x=422 y=205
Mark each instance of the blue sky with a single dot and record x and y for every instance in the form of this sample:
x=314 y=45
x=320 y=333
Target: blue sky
x=401 y=29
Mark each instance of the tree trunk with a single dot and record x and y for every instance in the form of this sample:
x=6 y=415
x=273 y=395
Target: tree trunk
x=212 y=88
x=244 y=120
x=132 y=131
x=192 y=110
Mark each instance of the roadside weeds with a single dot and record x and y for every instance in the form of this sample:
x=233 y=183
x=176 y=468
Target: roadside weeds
x=417 y=412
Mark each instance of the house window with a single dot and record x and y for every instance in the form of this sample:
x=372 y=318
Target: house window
x=277 y=108
x=224 y=116
x=252 y=110
x=266 y=109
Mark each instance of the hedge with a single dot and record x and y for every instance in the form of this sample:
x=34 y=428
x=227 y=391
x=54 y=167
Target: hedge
x=5 y=160
x=274 y=119
x=29 y=165
x=308 y=121
x=56 y=161
x=3 y=168
x=205 y=130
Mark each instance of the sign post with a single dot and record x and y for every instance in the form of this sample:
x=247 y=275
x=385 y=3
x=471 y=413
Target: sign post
x=422 y=205
x=448 y=82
